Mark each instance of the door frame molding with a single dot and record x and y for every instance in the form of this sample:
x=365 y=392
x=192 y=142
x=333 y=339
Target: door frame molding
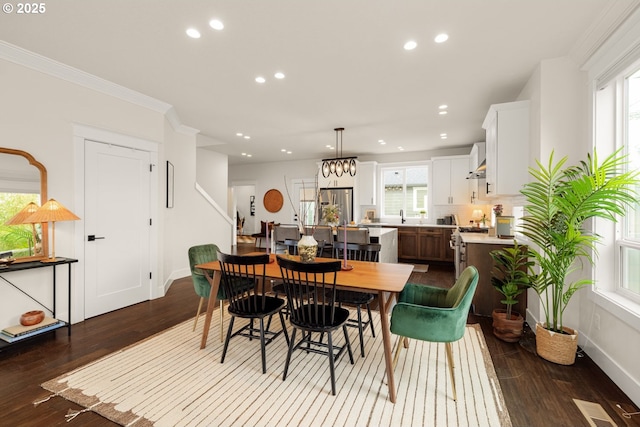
x=80 y=134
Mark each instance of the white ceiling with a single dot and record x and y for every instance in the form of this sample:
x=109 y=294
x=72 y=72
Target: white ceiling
x=343 y=60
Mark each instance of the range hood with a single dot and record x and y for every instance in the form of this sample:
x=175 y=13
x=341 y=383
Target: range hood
x=480 y=172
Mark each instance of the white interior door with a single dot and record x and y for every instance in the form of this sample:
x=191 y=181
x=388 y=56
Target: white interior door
x=117 y=227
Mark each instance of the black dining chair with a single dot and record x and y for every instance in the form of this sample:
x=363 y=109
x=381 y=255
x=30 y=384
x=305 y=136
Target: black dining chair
x=360 y=252
x=243 y=279
x=311 y=290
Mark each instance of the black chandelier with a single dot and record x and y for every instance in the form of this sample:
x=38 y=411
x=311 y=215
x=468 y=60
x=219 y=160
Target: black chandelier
x=339 y=165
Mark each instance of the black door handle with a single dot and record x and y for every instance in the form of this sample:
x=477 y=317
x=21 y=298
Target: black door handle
x=92 y=237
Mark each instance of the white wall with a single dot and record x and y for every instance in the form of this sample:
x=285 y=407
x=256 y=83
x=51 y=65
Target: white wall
x=212 y=173
x=37 y=115
x=561 y=101
x=265 y=176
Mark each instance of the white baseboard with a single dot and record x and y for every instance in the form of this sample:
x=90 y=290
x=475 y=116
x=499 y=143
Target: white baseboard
x=178 y=274
x=614 y=371
x=617 y=373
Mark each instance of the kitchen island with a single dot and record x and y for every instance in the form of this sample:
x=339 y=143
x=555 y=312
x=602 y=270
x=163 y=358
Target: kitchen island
x=388 y=239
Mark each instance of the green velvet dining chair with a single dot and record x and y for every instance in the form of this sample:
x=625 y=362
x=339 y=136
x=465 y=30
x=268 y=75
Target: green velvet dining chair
x=201 y=254
x=429 y=313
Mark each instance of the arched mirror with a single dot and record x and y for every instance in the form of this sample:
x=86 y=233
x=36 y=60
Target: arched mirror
x=23 y=184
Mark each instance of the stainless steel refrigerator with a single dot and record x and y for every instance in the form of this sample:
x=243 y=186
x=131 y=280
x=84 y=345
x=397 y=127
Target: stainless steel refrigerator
x=340 y=196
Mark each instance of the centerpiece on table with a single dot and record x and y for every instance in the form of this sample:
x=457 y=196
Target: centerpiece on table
x=331 y=215
x=307 y=245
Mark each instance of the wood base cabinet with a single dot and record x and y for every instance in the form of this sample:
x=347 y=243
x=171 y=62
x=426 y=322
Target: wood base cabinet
x=424 y=244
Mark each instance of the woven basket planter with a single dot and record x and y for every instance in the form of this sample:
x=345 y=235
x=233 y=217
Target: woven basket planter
x=555 y=347
x=509 y=330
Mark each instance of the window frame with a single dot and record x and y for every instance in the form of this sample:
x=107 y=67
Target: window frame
x=610 y=131
x=381 y=190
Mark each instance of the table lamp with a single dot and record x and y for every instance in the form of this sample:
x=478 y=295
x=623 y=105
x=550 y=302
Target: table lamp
x=52 y=212
x=20 y=219
x=477 y=216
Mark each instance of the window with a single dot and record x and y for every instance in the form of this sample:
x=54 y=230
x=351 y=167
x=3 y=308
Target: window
x=404 y=188
x=617 y=118
x=630 y=242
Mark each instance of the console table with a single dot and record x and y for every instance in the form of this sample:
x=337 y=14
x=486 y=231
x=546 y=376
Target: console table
x=30 y=265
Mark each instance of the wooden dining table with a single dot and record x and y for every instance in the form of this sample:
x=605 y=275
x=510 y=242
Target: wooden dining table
x=383 y=279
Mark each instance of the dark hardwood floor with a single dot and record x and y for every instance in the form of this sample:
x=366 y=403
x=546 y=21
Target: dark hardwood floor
x=537 y=393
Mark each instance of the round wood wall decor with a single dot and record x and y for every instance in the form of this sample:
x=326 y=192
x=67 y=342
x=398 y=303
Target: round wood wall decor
x=273 y=200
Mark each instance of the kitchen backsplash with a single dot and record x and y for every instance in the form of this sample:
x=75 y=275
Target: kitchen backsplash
x=464 y=212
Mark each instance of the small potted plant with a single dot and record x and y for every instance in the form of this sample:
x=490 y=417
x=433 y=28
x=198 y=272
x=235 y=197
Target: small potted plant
x=512 y=274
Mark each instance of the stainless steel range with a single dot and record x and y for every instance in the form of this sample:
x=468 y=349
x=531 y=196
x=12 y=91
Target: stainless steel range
x=457 y=245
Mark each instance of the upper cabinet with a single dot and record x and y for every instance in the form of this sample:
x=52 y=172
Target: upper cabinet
x=449 y=180
x=507 y=148
x=477 y=186
x=366 y=183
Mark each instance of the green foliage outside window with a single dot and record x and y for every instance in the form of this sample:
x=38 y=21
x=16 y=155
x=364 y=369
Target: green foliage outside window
x=15 y=238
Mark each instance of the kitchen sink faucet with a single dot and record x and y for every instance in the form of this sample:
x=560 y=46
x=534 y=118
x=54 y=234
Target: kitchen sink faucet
x=402 y=216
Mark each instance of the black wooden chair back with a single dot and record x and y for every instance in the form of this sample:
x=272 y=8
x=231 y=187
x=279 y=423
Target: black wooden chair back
x=240 y=277
x=310 y=290
x=311 y=297
x=359 y=252
x=243 y=280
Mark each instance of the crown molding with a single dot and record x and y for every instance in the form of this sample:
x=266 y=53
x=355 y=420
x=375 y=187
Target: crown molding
x=53 y=68
x=601 y=31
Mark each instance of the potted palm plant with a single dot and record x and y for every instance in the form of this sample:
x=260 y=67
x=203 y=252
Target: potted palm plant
x=512 y=274
x=559 y=200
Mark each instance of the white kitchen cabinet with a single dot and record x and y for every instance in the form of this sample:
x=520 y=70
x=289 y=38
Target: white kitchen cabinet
x=366 y=183
x=477 y=186
x=507 y=148
x=449 y=182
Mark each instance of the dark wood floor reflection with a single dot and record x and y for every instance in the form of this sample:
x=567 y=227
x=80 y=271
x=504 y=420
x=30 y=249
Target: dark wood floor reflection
x=537 y=393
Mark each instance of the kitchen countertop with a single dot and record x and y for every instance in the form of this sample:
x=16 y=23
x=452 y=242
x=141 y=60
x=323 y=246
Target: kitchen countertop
x=378 y=231
x=486 y=239
x=390 y=224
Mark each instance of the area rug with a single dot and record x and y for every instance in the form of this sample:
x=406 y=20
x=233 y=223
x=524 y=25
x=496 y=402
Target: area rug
x=166 y=380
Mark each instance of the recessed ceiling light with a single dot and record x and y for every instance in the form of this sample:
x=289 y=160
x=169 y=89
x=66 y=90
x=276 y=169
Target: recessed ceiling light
x=249 y=155
x=443 y=106
x=246 y=137
x=260 y=79
x=381 y=141
x=441 y=38
x=244 y=154
x=193 y=33
x=279 y=75
x=443 y=136
x=330 y=147
x=442 y=113
x=284 y=150
x=410 y=45
x=288 y=152
x=239 y=134
x=216 y=24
